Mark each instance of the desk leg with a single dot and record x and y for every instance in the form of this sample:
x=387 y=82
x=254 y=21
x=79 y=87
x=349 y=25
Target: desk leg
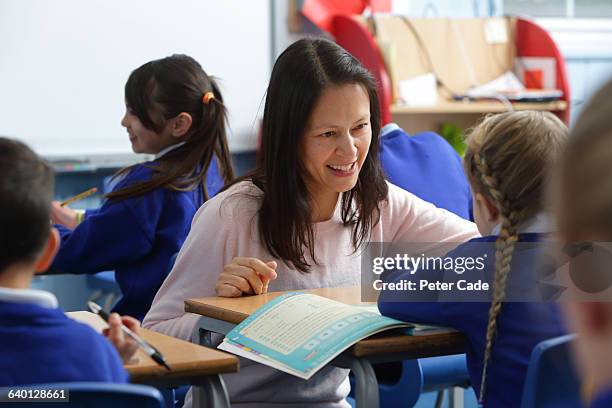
x=210 y=392
x=366 y=384
x=456 y=397
x=206 y=326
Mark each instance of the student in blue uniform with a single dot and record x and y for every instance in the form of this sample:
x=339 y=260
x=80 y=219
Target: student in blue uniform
x=427 y=166
x=507 y=163
x=584 y=203
x=38 y=343
x=175 y=111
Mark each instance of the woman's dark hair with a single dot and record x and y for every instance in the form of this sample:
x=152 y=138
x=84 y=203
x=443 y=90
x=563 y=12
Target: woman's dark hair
x=160 y=90
x=26 y=191
x=299 y=77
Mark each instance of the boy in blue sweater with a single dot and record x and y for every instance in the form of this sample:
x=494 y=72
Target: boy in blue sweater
x=507 y=163
x=38 y=343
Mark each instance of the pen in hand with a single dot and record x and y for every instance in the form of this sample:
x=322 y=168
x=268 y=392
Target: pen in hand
x=146 y=347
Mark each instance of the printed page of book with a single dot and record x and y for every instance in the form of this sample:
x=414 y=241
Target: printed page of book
x=302 y=332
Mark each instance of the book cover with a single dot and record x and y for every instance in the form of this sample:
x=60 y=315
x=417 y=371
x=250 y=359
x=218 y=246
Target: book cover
x=299 y=333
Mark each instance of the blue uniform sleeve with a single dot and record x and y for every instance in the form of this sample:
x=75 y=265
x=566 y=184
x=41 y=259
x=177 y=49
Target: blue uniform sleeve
x=214 y=181
x=435 y=307
x=117 y=233
x=91 y=211
x=426 y=312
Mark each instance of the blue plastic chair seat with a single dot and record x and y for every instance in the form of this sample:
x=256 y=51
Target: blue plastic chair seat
x=104 y=281
x=551 y=379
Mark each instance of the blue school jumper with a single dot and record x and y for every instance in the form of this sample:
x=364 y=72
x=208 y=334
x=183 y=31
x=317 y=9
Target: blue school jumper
x=136 y=237
x=39 y=344
x=520 y=325
x=427 y=166
x=603 y=400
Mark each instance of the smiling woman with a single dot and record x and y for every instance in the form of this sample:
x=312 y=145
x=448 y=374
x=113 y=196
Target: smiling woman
x=300 y=220
x=335 y=145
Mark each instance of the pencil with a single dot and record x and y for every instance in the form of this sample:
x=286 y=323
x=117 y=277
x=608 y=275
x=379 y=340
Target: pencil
x=81 y=196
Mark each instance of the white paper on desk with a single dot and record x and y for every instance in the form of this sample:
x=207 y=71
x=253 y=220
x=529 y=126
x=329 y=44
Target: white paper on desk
x=419 y=91
x=507 y=82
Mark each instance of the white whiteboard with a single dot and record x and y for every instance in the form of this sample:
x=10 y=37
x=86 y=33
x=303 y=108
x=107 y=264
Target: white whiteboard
x=64 y=63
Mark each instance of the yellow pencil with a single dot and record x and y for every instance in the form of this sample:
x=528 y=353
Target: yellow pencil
x=77 y=197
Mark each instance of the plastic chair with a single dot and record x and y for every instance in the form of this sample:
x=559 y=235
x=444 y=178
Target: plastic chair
x=105 y=287
x=421 y=376
x=551 y=379
x=425 y=375
x=91 y=395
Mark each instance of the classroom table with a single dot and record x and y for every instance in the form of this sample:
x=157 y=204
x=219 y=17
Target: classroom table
x=190 y=364
x=220 y=315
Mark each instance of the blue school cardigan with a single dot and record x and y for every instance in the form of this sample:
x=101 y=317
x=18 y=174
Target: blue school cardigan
x=136 y=237
x=427 y=166
x=520 y=325
x=42 y=345
x=603 y=400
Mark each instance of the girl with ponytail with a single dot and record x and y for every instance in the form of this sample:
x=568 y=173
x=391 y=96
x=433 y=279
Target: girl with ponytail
x=174 y=111
x=508 y=163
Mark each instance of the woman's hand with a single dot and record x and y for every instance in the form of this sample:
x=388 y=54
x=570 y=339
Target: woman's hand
x=124 y=344
x=245 y=276
x=63 y=215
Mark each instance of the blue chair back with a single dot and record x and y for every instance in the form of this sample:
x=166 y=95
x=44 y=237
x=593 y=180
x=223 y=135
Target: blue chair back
x=551 y=379
x=92 y=395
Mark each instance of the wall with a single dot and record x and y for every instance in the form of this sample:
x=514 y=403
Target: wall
x=64 y=65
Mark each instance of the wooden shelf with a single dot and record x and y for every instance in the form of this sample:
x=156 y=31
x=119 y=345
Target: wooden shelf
x=459 y=107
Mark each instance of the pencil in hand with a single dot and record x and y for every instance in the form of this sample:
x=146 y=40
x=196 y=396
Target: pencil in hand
x=80 y=196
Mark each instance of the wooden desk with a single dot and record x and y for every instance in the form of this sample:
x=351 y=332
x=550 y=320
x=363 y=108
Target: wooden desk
x=191 y=364
x=220 y=315
x=480 y=107
x=415 y=119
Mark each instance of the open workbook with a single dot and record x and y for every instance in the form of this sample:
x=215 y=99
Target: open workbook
x=299 y=333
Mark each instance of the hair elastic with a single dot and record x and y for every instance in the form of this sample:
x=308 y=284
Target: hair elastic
x=207 y=97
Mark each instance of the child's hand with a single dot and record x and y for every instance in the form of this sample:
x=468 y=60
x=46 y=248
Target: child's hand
x=63 y=215
x=245 y=276
x=124 y=345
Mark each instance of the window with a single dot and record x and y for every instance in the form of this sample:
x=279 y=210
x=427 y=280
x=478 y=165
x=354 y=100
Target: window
x=560 y=8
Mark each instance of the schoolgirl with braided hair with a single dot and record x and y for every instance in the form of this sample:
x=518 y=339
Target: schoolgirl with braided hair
x=507 y=162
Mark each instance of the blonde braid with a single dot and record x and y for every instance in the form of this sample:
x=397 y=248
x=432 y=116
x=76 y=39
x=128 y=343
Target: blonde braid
x=504 y=249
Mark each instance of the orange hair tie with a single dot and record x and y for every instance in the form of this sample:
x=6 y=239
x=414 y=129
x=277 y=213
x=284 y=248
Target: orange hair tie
x=207 y=97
